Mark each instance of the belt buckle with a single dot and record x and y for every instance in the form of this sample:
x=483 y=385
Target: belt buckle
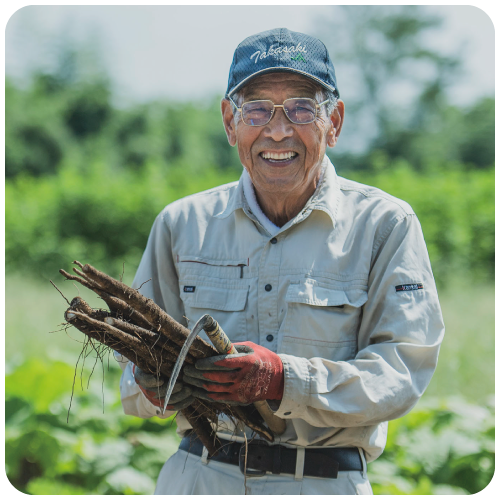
x=241 y=463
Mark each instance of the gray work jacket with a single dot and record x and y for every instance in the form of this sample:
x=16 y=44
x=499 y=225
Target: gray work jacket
x=344 y=293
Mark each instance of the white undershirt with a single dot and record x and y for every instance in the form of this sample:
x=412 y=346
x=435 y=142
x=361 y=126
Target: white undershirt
x=249 y=192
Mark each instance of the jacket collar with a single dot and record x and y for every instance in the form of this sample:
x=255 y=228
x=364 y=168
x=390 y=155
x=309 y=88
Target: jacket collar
x=325 y=198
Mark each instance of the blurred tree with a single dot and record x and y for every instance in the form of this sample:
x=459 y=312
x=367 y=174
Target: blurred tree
x=88 y=109
x=132 y=137
x=396 y=94
x=223 y=155
x=448 y=135
x=51 y=119
x=33 y=136
x=55 y=115
x=478 y=145
x=175 y=124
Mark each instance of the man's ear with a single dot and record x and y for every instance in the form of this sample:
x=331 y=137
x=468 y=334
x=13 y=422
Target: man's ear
x=337 y=120
x=228 y=120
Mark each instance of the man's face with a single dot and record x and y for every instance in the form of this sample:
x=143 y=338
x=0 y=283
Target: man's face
x=303 y=145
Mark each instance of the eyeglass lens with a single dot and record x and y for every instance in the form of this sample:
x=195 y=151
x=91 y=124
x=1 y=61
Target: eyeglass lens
x=297 y=110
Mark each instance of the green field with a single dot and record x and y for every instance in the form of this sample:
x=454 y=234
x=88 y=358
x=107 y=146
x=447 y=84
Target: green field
x=445 y=445
x=34 y=317
x=467 y=358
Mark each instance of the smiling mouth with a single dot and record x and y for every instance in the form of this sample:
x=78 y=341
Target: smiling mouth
x=278 y=157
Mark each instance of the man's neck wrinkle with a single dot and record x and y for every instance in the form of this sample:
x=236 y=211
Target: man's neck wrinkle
x=279 y=209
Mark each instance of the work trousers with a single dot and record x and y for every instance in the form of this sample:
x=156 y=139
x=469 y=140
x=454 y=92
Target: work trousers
x=188 y=474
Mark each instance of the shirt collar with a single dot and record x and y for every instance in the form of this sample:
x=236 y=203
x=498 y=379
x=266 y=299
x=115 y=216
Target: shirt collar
x=254 y=207
x=236 y=200
x=325 y=198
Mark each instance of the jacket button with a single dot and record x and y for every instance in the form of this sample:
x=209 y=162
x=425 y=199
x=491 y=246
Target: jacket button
x=270 y=338
x=274 y=241
x=287 y=413
x=268 y=288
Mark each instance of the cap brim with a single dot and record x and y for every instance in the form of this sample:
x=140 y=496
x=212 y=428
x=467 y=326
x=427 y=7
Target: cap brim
x=281 y=69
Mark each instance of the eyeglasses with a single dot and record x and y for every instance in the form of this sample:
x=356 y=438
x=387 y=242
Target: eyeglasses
x=299 y=110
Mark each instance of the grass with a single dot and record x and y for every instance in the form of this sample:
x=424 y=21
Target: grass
x=466 y=364
x=34 y=318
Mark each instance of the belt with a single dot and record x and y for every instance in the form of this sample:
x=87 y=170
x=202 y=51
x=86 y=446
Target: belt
x=263 y=457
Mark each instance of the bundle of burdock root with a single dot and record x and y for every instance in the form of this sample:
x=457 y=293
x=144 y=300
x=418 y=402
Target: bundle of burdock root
x=141 y=331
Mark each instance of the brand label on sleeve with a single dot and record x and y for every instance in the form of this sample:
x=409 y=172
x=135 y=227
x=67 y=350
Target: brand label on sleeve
x=189 y=289
x=409 y=287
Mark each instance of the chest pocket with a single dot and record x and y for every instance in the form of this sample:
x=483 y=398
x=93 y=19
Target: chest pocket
x=322 y=321
x=215 y=288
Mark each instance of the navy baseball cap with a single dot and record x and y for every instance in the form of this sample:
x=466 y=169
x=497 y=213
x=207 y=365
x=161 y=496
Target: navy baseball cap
x=281 y=50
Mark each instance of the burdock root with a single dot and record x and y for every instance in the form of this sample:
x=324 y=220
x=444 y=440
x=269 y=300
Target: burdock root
x=142 y=332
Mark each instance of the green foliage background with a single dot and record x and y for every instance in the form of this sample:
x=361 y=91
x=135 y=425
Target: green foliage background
x=85 y=180
x=98 y=195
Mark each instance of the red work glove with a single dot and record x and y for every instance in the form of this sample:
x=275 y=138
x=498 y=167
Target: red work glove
x=157 y=389
x=254 y=374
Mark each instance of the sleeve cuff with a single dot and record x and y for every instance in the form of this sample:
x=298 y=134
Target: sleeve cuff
x=133 y=400
x=121 y=360
x=297 y=387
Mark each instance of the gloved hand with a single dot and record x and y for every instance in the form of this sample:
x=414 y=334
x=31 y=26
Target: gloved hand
x=254 y=374
x=155 y=389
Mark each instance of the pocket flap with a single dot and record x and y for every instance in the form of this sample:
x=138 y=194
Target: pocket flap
x=211 y=262
x=310 y=292
x=212 y=297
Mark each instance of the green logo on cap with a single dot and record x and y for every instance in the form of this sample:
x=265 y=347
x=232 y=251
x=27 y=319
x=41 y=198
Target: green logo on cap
x=298 y=57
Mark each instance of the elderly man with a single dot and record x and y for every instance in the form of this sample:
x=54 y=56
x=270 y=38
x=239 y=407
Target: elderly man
x=323 y=284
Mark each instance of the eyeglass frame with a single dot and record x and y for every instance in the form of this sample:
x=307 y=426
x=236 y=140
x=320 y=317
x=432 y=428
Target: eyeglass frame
x=318 y=106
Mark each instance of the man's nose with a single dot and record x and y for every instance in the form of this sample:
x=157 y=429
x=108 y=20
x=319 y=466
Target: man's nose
x=279 y=127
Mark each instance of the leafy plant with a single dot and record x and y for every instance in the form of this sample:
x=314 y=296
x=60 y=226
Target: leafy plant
x=96 y=449
x=441 y=447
